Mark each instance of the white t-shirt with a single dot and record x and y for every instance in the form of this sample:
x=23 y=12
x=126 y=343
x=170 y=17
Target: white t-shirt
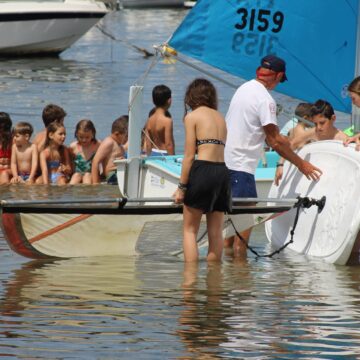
x=251 y=108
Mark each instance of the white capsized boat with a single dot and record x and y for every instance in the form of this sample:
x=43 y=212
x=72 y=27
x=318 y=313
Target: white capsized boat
x=332 y=234
x=45 y=27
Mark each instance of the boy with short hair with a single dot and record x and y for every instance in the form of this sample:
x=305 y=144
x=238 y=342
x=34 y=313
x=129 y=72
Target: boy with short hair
x=300 y=122
x=24 y=155
x=111 y=148
x=323 y=116
x=51 y=113
x=159 y=138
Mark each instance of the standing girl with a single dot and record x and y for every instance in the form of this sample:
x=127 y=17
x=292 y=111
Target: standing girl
x=55 y=160
x=83 y=151
x=5 y=147
x=204 y=183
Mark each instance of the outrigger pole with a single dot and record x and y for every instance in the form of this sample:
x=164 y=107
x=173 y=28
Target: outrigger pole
x=150 y=206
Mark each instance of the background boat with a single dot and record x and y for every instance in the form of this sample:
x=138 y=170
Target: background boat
x=189 y=4
x=150 y=3
x=45 y=27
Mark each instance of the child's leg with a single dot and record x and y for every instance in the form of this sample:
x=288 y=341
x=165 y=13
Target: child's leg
x=5 y=177
x=61 y=180
x=87 y=178
x=76 y=179
x=192 y=218
x=39 y=180
x=215 y=222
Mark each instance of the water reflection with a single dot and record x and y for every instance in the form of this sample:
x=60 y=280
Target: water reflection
x=202 y=327
x=237 y=309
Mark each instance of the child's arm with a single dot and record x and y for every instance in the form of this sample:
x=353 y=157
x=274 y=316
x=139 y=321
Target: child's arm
x=43 y=166
x=13 y=165
x=102 y=153
x=66 y=166
x=34 y=163
x=169 y=137
x=147 y=142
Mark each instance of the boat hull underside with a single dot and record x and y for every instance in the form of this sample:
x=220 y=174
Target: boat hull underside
x=49 y=36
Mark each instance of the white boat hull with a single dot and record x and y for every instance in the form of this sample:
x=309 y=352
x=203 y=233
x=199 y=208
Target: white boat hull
x=332 y=234
x=45 y=27
x=150 y=3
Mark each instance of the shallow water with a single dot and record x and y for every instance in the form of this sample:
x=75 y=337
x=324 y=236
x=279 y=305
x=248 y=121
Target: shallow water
x=152 y=306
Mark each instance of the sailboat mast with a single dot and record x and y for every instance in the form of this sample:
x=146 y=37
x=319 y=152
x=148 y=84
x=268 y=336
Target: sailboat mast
x=355 y=111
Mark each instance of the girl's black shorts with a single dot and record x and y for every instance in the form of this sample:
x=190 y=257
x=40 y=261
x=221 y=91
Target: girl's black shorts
x=209 y=187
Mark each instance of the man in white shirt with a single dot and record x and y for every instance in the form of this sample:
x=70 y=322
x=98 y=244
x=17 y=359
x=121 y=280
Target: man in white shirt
x=251 y=119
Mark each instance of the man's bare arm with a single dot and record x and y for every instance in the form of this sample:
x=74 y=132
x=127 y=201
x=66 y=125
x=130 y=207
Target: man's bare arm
x=282 y=146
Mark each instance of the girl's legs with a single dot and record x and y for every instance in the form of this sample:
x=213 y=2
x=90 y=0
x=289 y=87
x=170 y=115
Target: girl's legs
x=87 y=178
x=215 y=222
x=76 y=179
x=192 y=218
x=61 y=180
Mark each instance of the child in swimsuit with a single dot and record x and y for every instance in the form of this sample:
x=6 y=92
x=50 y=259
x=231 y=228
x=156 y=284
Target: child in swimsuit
x=55 y=160
x=204 y=186
x=24 y=155
x=5 y=147
x=83 y=151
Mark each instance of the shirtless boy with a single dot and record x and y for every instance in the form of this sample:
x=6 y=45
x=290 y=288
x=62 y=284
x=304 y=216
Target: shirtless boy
x=24 y=155
x=300 y=123
x=50 y=114
x=159 y=138
x=323 y=116
x=111 y=148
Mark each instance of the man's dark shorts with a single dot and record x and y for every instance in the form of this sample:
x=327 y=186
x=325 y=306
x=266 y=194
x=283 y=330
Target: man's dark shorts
x=242 y=184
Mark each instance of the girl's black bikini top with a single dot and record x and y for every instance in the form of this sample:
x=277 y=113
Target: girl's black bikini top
x=209 y=141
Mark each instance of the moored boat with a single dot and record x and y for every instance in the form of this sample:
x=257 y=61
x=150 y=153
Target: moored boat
x=189 y=4
x=133 y=4
x=45 y=27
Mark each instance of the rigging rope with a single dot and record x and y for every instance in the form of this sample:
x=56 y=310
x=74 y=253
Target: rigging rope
x=304 y=202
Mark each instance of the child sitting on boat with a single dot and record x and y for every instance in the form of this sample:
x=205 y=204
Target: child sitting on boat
x=51 y=113
x=323 y=116
x=55 y=162
x=83 y=151
x=300 y=123
x=24 y=155
x=111 y=148
x=159 y=126
x=5 y=147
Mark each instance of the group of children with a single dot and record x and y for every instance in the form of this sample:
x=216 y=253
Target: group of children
x=47 y=160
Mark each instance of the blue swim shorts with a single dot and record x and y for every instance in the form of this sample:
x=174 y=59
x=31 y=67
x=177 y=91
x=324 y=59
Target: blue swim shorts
x=242 y=184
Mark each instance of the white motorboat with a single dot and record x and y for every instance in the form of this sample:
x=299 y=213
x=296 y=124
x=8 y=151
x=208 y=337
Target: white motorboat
x=190 y=3
x=150 y=3
x=45 y=27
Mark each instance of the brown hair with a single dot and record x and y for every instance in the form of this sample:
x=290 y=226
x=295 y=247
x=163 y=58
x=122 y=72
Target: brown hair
x=354 y=86
x=23 y=128
x=52 y=113
x=86 y=126
x=200 y=92
x=303 y=110
x=120 y=125
x=5 y=130
x=322 y=107
x=52 y=128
